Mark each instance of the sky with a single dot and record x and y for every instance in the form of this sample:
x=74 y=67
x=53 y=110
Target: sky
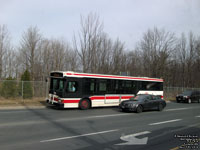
x=123 y=19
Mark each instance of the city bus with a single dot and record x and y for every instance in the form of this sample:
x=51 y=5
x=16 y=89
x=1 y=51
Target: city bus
x=85 y=90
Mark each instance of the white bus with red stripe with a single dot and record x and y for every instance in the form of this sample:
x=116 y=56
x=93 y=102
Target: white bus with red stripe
x=84 y=90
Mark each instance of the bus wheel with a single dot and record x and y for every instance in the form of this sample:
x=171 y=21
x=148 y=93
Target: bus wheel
x=84 y=104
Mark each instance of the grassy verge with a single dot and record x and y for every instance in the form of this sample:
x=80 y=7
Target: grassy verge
x=22 y=102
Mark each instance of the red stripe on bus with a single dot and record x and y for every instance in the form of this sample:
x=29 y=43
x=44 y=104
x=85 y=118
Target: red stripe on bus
x=126 y=97
x=112 y=97
x=109 y=97
x=97 y=97
x=117 y=77
x=70 y=101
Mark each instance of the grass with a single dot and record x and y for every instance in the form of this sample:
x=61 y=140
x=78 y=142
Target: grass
x=22 y=102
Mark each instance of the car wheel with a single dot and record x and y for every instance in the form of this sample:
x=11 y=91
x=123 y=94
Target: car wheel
x=160 y=107
x=122 y=109
x=177 y=101
x=199 y=101
x=84 y=104
x=139 y=109
x=189 y=101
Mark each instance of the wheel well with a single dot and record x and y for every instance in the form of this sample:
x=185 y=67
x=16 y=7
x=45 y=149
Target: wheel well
x=141 y=106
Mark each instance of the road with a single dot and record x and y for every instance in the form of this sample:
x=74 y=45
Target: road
x=100 y=129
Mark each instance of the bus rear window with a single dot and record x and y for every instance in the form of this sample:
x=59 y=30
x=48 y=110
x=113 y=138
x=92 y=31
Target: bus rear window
x=152 y=86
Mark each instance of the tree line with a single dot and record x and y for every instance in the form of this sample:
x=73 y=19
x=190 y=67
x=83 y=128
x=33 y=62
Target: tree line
x=159 y=53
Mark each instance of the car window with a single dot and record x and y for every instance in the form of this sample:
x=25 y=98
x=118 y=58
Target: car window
x=139 y=97
x=149 y=97
x=187 y=93
x=155 y=97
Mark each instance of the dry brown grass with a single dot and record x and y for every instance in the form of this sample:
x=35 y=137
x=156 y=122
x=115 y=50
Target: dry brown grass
x=22 y=102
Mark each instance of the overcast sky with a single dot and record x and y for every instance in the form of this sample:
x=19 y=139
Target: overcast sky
x=123 y=19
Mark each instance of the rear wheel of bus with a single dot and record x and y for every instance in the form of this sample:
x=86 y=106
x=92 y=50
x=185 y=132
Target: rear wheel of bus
x=84 y=104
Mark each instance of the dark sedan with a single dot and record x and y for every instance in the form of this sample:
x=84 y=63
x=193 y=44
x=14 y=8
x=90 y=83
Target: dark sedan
x=188 y=97
x=143 y=102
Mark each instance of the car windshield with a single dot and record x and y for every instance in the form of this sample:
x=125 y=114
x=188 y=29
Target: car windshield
x=187 y=93
x=138 y=98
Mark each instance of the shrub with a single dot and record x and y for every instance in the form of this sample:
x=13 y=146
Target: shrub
x=26 y=84
x=9 y=88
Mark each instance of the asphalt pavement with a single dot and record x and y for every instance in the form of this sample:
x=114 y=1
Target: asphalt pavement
x=176 y=127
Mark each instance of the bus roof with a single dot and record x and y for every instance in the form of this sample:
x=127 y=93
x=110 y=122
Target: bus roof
x=105 y=76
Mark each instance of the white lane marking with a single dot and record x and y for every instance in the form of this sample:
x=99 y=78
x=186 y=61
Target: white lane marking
x=174 y=109
x=198 y=116
x=132 y=140
x=102 y=116
x=165 y=122
x=135 y=134
x=77 y=136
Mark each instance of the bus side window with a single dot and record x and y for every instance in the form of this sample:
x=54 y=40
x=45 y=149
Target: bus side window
x=144 y=85
x=109 y=87
x=102 y=86
x=92 y=87
x=72 y=86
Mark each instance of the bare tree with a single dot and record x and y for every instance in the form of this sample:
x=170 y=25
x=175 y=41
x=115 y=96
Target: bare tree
x=89 y=41
x=157 y=46
x=4 y=47
x=30 y=43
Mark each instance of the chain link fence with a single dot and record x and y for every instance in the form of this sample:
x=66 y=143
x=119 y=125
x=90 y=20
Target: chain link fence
x=11 y=89
x=171 y=92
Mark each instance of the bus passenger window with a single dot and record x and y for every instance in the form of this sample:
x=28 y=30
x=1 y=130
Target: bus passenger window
x=72 y=86
x=102 y=86
x=92 y=87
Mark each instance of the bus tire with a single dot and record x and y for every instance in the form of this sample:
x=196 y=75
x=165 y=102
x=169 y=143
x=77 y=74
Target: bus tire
x=84 y=104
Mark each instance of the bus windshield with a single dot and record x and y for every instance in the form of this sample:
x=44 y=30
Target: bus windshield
x=57 y=85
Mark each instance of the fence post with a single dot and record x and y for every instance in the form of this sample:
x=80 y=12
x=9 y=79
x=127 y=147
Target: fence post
x=47 y=90
x=23 y=91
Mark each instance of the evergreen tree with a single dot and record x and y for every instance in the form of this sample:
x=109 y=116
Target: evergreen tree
x=26 y=85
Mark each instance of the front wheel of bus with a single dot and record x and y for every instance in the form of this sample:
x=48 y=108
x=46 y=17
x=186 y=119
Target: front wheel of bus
x=84 y=104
